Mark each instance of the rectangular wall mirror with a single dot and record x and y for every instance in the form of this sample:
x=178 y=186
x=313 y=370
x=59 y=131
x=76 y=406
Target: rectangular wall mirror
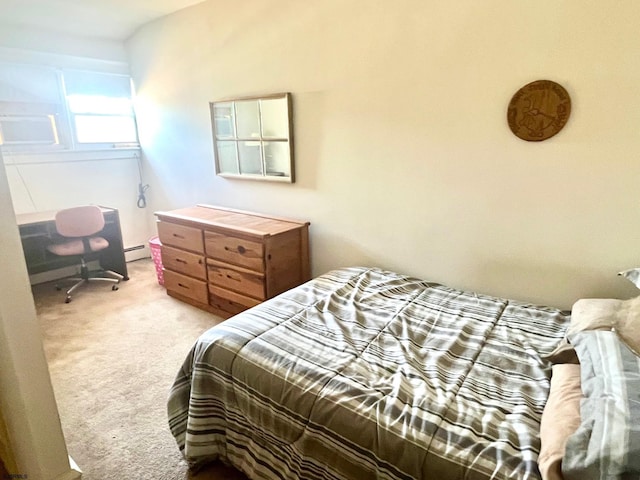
x=253 y=137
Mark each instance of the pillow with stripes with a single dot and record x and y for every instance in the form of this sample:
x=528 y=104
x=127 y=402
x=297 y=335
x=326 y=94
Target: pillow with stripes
x=607 y=442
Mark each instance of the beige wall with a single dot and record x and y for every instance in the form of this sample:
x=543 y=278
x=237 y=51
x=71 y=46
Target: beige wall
x=7 y=458
x=403 y=156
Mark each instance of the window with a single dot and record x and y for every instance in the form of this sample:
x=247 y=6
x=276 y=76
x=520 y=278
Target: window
x=30 y=108
x=28 y=130
x=98 y=119
x=45 y=109
x=100 y=108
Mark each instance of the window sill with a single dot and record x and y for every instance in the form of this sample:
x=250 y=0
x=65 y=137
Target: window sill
x=60 y=156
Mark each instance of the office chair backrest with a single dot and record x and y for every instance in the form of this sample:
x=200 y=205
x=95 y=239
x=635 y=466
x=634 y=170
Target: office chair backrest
x=79 y=221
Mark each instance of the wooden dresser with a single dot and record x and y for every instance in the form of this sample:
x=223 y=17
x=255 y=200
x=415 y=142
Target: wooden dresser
x=225 y=260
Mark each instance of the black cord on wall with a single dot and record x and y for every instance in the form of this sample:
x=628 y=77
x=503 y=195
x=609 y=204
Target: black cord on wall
x=142 y=187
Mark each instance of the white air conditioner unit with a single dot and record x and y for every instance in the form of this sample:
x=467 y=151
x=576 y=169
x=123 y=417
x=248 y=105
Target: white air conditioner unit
x=28 y=130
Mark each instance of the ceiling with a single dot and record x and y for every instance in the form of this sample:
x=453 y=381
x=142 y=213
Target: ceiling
x=106 y=19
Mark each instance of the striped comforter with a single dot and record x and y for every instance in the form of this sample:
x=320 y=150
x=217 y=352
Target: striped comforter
x=367 y=374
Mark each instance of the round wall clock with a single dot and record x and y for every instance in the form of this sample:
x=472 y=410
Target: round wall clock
x=539 y=110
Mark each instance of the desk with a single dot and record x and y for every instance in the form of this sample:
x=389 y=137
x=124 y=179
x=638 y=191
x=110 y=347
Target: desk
x=37 y=230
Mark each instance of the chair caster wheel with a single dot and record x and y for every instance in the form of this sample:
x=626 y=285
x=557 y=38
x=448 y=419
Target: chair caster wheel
x=58 y=287
x=67 y=300
x=114 y=287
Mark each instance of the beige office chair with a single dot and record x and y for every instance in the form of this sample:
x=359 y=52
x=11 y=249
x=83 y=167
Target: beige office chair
x=78 y=226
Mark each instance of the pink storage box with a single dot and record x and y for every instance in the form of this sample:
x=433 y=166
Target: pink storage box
x=156 y=254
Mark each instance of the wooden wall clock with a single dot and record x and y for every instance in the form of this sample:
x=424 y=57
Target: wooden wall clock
x=538 y=110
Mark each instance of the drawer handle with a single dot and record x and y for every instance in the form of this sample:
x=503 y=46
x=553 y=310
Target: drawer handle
x=178 y=236
x=231 y=278
x=179 y=260
x=183 y=285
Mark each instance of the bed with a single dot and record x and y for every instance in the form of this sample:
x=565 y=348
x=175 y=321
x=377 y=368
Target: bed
x=363 y=373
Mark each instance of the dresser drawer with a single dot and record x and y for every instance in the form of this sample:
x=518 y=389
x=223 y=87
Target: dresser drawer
x=236 y=279
x=186 y=286
x=182 y=261
x=180 y=236
x=235 y=250
x=223 y=305
x=222 y=294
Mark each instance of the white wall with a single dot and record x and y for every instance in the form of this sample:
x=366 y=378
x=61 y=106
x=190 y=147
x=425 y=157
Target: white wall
x=56 y=181
x=403 y=154
x=54 y=43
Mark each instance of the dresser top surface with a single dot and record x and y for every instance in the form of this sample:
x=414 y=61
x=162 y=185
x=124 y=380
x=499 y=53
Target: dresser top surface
x=231 y=219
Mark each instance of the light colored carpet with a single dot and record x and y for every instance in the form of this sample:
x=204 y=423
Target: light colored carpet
x=113 y=356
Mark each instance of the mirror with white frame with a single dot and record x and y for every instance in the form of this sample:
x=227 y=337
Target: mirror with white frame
x=253 y=137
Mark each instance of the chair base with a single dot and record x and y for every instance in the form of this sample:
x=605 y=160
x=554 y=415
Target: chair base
x=87 y=277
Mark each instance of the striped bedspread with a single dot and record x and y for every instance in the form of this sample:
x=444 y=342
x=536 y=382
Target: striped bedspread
x=367 y=374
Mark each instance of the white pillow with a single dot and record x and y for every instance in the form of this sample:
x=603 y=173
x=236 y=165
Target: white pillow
x=633 y=275
x=622 y=316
